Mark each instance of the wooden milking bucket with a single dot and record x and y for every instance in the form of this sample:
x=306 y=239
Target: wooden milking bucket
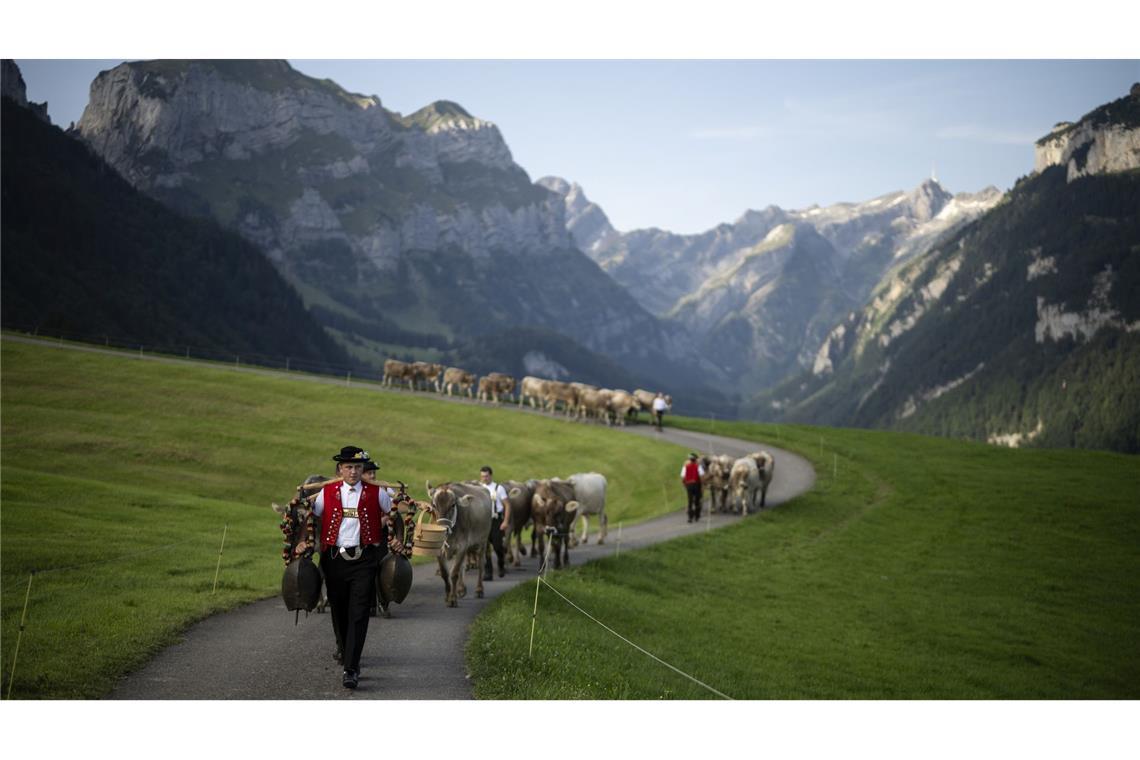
x=428 y=538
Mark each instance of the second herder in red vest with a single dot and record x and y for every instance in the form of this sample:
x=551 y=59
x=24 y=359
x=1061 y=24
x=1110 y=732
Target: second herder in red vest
x=354 y=517
x=691 y=475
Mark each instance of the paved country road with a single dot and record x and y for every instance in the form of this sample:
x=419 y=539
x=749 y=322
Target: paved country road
x=257 y=652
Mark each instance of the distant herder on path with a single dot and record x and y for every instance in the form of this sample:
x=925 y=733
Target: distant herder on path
x=691 y=475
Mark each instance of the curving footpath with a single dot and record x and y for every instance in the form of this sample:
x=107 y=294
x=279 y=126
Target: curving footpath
x=256 y=652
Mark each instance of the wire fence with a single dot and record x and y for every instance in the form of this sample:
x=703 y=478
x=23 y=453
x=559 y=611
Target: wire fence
x=37 y=573
x=541 y=581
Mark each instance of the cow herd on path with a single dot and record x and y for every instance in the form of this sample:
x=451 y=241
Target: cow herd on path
x=576 y=400
x=551 y=506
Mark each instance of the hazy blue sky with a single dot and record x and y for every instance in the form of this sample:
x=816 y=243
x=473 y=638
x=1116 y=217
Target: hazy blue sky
x=685 y=145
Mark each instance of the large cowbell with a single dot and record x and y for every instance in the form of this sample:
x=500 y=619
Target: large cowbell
x=395 y=578
x=301 y=585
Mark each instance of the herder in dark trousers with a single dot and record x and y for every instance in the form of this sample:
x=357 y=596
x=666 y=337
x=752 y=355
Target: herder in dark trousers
x=500 y=520
x=691 y=475
x=354 y=518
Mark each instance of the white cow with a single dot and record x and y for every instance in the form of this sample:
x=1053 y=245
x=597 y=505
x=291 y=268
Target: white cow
x=590 y=493
x=532 y=389
x=744 y=484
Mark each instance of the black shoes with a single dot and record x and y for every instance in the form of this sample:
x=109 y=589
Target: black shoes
x=350 y=679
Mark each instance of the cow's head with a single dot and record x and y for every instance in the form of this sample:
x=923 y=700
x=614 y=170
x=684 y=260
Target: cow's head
x=445 y=503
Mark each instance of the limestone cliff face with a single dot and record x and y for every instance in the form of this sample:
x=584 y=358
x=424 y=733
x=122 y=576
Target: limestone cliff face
x=288 y=159
x=1105 y=140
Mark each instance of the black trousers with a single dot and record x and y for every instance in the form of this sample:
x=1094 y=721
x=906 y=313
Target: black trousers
x=496 y=539
x=351 y=589
x=694 y=508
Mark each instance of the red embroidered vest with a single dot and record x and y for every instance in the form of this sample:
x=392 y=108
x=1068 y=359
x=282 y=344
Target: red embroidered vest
x=692 y=473
x=368 y=512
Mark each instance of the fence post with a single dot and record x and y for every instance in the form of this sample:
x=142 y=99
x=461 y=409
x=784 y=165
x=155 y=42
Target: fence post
x=219 y=567
x=618 y=552
x=534 y=614
x=20 y=635
x=286 y=363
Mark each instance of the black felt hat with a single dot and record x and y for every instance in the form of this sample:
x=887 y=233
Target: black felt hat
x=351 y=454
x=371 y=466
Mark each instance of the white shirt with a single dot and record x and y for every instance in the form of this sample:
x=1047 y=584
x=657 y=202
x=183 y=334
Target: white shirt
x=498 y=496
x=659 y=405
x=349 y=534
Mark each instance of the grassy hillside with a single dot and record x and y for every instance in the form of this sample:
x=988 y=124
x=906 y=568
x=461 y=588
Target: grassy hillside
x=926 y=569
x=120 y=475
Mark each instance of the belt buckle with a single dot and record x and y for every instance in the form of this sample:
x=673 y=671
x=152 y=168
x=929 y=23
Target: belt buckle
x=357 y=553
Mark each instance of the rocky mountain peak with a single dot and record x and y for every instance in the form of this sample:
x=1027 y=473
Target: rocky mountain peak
x=585 y=219
x=928 y=199
x=443 y=115
x=12 y=85
x=556 y=185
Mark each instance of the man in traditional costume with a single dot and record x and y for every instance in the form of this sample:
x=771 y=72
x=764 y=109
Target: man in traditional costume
x=353 y=527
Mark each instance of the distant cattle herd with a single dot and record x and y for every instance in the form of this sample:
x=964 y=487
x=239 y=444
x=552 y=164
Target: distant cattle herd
x=576 y=400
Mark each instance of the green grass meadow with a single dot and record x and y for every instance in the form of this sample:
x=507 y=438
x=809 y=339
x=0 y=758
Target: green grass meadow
x=917 y=568
x=119 y=476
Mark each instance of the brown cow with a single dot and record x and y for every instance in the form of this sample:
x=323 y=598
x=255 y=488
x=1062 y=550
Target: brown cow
x=466 y=511
x=716 y=483
x=766 y=464
x=494 y=385
x=553 y=510
x=595 y=403
x=621 y=404
x=556 y=391
x=520 y=494
x=428 y=373
x=397 y=371
x=453 y=377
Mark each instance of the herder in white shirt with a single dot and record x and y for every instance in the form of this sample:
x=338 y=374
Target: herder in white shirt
x=500 y=520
